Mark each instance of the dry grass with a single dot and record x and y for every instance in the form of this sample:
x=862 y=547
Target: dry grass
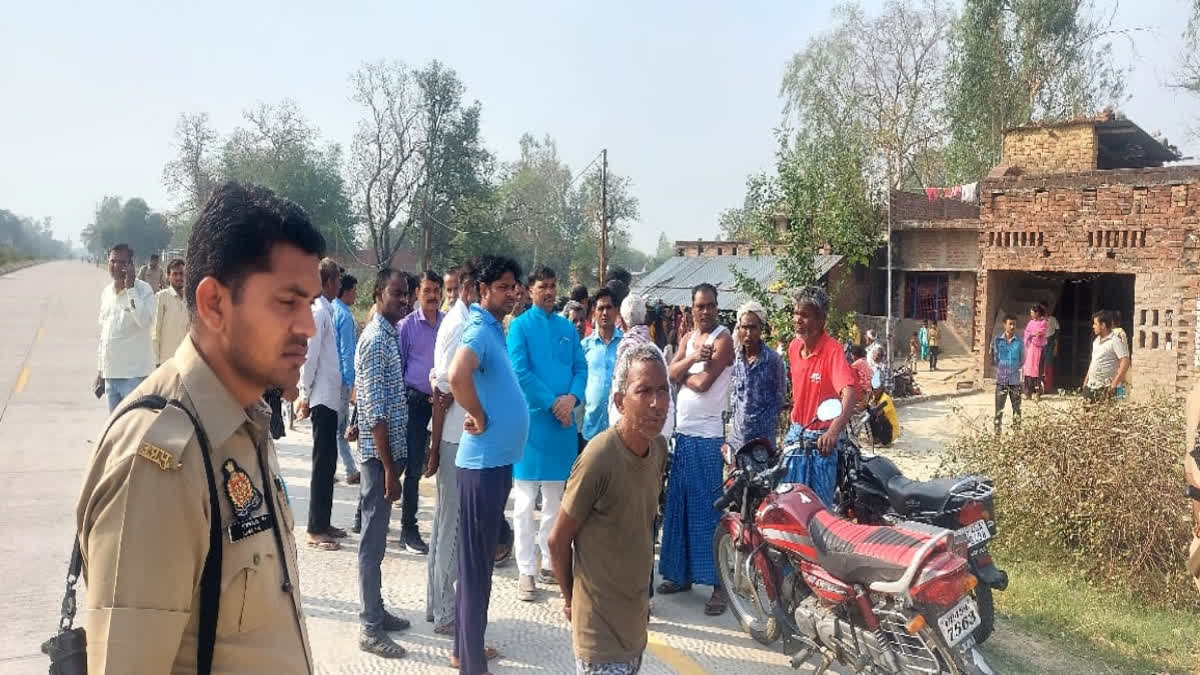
x=1095 y=491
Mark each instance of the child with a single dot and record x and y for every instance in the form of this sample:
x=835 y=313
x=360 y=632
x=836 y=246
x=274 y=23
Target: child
x=914 y=350
x=934 y=345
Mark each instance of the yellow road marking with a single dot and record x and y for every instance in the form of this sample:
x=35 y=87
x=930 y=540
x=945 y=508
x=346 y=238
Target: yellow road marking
x=22 y=378
x=673 y=658
x=40 y=332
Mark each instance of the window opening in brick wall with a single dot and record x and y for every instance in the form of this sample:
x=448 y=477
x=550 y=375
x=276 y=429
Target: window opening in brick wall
x=1041 y=240
x=1169 y=319
x=926 y=296
x=1154 y=340
x=720 y=251
x=1167 y=341
x=1142 y=322
x=1154 y=317
x=1141 y=339
x=735 y=250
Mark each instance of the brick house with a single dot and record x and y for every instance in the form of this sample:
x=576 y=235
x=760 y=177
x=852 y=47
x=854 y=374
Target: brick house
x=1081 y=216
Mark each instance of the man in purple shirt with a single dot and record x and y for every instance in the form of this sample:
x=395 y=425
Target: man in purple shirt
x=417 y=334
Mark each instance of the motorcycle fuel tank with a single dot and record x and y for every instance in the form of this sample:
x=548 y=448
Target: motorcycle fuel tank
x=783 y=518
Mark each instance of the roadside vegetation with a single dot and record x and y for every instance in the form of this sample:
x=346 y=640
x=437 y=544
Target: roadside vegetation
x=1094 y=530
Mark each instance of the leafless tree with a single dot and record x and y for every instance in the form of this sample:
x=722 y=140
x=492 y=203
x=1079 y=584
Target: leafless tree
x=191 y=176
x=879 y=80
x=385 y=167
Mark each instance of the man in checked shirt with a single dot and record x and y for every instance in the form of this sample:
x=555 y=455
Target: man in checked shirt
x=382 y=423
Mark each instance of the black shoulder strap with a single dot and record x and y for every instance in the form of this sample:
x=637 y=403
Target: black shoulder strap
x=210 y=577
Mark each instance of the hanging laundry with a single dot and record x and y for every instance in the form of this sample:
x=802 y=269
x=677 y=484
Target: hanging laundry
x=970 y=193
x=931 y=193
x=956 y=192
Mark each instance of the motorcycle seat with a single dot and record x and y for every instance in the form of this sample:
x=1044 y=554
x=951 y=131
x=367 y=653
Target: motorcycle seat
x=907 y=495
x=865 y=554
x=883 y=469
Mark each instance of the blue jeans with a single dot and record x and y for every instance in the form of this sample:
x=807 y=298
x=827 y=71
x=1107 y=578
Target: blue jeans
x=343 y=444
x=376 y=515
x=117 y=388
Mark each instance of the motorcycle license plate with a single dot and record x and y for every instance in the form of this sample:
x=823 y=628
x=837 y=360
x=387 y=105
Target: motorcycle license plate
x=960 y=622
x=976 y=533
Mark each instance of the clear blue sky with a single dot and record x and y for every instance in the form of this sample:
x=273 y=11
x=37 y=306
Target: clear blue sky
x=683 y=94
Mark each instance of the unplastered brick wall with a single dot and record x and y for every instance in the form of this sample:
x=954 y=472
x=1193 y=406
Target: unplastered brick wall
x=1052 y=149
x=1144 y=222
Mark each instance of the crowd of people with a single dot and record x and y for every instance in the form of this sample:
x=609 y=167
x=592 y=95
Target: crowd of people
x=1024 y=363
x=482 y=379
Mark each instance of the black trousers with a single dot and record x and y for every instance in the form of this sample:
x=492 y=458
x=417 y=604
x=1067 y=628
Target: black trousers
x=325 y=453
x=482 y=493
x=933 y=356
x=1013 y=393
x=419 y=412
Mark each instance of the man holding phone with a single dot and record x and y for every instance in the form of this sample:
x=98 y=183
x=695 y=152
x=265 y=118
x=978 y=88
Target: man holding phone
x=126 y=355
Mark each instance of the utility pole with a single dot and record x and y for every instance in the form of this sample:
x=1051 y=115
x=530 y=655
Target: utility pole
x=603 y=215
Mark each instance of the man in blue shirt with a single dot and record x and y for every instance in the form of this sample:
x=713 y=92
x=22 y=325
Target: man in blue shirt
x=344 y=330
x=483 y=382
x=1008 y=353
x=547 y=357
x=600 y=353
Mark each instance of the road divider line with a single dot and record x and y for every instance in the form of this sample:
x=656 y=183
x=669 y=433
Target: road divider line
x=22 y=378
x=673 y=658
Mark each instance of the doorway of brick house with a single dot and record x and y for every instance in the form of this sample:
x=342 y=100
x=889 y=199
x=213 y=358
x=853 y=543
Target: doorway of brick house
x=1071 y=298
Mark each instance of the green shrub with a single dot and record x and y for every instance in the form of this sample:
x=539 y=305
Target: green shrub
x=1096 y=489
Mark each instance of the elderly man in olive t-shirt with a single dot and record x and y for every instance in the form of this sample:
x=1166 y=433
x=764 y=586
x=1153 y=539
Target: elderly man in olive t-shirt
x=607 y=517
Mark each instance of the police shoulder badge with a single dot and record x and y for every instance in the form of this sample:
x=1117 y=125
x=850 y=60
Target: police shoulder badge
x=245 y=498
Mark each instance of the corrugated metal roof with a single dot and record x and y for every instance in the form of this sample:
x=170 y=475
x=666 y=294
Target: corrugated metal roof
x=672 y=281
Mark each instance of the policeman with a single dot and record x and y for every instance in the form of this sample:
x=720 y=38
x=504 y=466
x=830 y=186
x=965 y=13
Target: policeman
x=144 y=514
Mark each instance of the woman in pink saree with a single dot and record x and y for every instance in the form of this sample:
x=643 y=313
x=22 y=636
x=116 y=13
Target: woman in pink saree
x=1035 y=346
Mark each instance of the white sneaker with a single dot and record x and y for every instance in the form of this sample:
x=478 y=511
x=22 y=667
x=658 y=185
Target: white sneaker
x=526 y=588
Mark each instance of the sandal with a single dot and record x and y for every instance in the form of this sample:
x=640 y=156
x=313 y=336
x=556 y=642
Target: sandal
x=324 y=544
x=489 y=653
x=336 y=532
x=446 y=629
x=668 y=587
x=717 y=604
x=503 y=555
x=380 y=645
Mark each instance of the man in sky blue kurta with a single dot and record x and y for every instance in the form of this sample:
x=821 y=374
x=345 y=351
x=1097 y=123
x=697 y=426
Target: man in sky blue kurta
x=546 y=355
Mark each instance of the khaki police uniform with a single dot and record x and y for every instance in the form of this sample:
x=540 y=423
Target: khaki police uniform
x=143 y=520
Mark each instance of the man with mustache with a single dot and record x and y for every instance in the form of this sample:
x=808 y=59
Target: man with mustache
x=382 y=431
x=607 y=519
x=158 y=482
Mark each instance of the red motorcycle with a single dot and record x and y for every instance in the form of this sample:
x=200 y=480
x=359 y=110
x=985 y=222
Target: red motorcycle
x=875 y=599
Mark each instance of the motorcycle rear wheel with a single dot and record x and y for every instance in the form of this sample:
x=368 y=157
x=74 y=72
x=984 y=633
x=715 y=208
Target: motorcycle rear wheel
x=754 y=611
x=951 y=661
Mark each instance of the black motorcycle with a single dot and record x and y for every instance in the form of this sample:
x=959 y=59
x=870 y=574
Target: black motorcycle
x=873 y=491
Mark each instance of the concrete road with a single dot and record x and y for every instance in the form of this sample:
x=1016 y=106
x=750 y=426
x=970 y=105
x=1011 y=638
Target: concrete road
x=48 y=421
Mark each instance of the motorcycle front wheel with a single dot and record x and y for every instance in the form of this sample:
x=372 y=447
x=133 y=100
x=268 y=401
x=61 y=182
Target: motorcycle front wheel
x=747 y=593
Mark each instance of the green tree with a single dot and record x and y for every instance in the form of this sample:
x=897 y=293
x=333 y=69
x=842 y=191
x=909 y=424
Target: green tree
x=279 y=149
x=1013 y=61
x=131 y=222
x=818 y=198
x=22 y=238
x=457 y=166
